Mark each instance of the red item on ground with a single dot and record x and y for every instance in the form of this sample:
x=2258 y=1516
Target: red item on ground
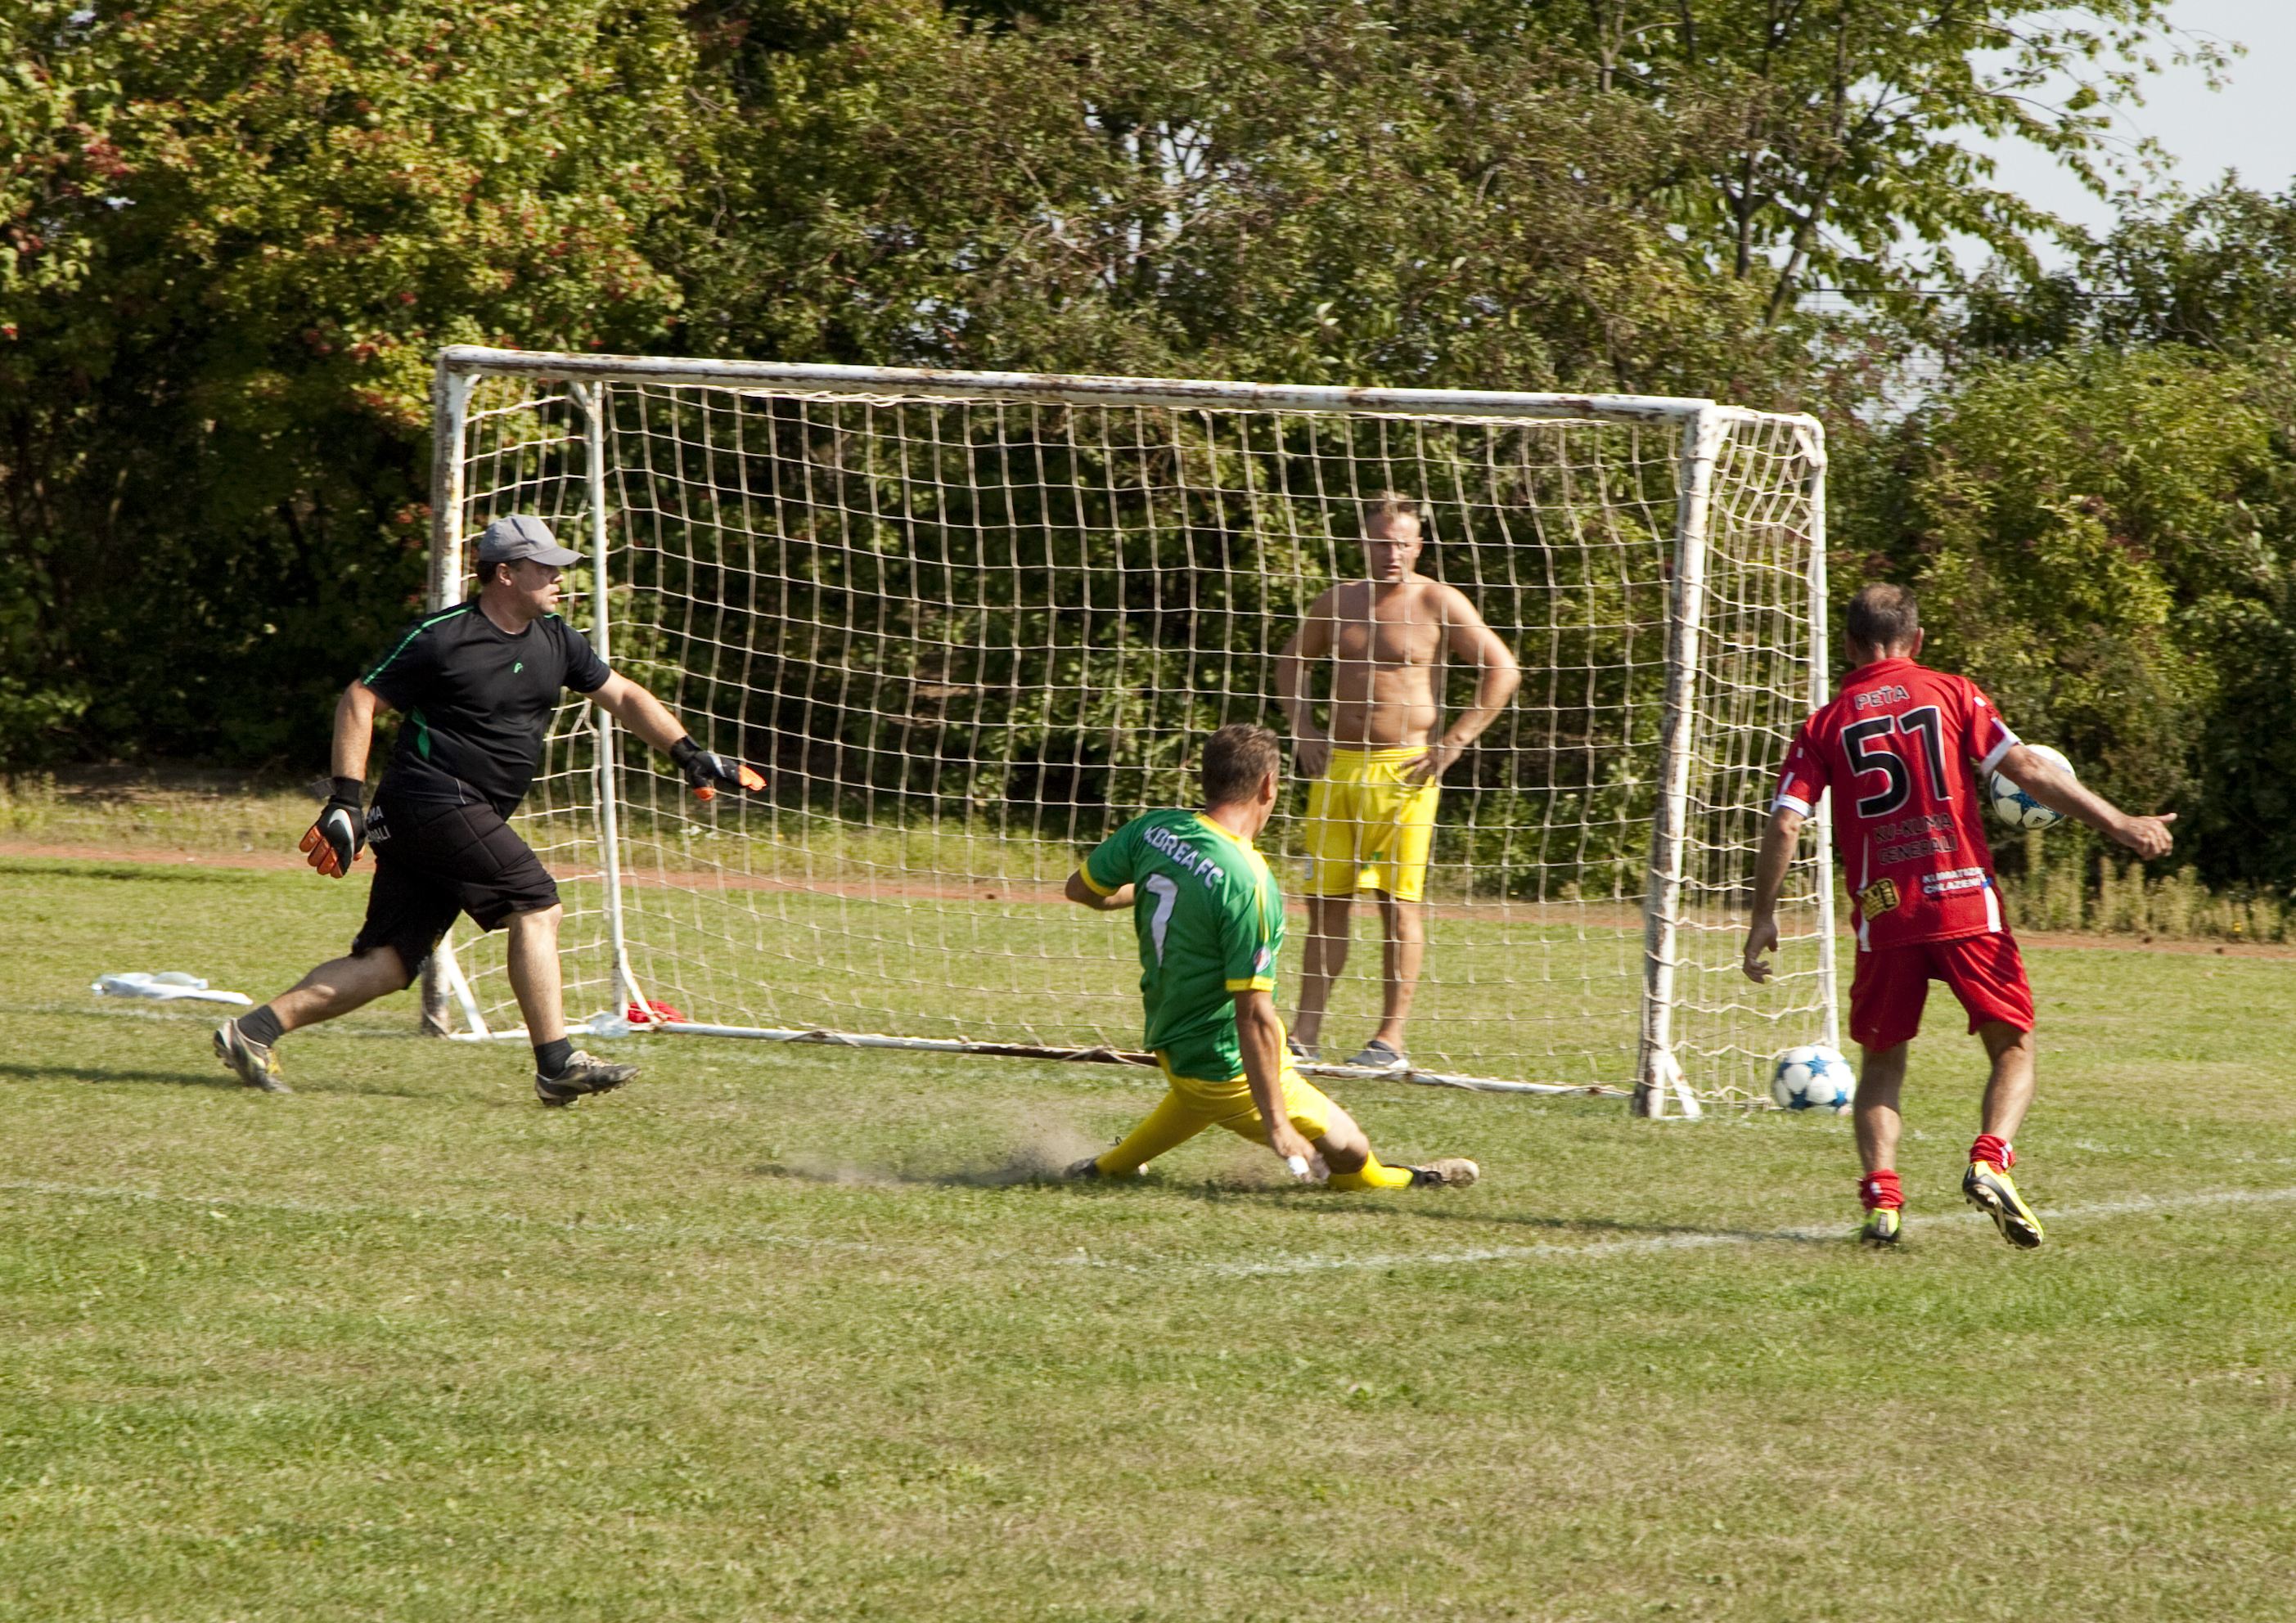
x=654 y=1012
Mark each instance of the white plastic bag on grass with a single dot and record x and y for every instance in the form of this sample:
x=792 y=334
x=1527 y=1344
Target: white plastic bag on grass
x=165 y=986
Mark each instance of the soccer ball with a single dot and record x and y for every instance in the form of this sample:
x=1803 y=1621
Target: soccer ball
x=1812 y=1079
x=2019 y=809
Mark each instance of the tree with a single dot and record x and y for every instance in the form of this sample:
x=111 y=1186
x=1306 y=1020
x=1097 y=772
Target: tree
x=1285 y=189
x=2102 y=538
x=236 y=236
x=1838 y=131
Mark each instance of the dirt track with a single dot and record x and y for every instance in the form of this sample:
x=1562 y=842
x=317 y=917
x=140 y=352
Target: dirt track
x=271 y=860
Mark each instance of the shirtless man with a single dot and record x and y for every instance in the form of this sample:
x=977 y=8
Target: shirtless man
x=1376 y=771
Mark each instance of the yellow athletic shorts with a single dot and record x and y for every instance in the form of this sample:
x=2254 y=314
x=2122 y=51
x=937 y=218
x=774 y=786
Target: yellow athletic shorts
x=1367 y=828
x=1228 y=1104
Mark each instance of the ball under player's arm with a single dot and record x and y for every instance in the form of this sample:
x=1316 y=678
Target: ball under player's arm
x=1498 y=675
x=647 y=717
x=2061 y=792
x=332 y=843
x=1313 y=641
x=1260 y=1039
x=1780 y=836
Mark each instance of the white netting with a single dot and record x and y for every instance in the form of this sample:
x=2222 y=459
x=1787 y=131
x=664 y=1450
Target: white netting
x=968 y=637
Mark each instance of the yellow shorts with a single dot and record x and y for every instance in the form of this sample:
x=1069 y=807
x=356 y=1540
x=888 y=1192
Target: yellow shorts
x=1228 y=1104
x=1367 y=828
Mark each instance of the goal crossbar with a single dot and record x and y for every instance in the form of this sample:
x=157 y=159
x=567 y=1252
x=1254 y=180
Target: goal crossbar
x=910 y=382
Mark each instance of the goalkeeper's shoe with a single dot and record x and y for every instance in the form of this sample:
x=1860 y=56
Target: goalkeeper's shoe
x=582 y=1075
x=257 y=1065
x=1882 y=1227
x=1987 y=1188
x=1454 y=1172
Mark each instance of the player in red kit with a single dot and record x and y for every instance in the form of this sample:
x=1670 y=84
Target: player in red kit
x=1903 y=748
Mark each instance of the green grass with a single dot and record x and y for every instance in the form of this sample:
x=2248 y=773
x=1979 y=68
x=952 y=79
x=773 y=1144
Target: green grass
x=771 y=1334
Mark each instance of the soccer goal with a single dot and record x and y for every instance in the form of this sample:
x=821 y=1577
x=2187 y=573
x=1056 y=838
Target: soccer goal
x=970 y=623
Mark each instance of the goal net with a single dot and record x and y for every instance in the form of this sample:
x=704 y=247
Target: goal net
x=969 y=624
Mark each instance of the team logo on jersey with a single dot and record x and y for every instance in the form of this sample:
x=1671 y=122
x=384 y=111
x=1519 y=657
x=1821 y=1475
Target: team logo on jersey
x=517 y=667
x=1878 y=897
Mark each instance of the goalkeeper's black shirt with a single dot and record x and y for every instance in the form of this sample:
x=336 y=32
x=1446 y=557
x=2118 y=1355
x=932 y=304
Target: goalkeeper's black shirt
x=478 y=703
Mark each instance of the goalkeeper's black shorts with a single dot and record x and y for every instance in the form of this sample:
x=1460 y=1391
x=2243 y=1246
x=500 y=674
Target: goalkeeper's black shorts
x=434 y=859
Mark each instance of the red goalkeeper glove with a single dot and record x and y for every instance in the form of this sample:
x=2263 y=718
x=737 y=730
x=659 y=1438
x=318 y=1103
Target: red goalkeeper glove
x=333 y=843
x=705 y=769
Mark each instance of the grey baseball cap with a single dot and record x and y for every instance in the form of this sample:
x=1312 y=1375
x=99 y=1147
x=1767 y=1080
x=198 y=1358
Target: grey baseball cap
x=522 y=535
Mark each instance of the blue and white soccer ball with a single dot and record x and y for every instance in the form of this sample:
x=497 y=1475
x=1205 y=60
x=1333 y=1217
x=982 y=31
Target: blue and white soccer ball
x=1812 y=1079
x=2019 y=809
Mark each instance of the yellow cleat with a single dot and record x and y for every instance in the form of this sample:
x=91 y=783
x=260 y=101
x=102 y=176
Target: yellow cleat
x=1882 y=1227
x=1987 y=1188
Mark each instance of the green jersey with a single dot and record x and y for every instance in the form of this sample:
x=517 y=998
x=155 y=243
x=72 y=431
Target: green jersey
x=1210 y=921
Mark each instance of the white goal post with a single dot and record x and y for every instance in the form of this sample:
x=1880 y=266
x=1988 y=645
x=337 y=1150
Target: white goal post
x=968 y=624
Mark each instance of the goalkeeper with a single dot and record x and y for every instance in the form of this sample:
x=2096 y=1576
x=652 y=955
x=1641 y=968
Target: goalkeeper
x=1210 y=922
x=478 y=684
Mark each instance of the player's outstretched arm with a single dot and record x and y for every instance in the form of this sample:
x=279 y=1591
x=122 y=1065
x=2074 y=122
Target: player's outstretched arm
x=2061 y=792
x=1311 y=745
x=1779 y=838
x=651 y=720
x=332 y=843
x=1259 y=1037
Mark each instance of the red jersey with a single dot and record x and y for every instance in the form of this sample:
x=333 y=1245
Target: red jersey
x=1905 y=748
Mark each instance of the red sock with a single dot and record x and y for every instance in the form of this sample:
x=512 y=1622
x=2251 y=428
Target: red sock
x=1991 y=1147
x=1880 y=1190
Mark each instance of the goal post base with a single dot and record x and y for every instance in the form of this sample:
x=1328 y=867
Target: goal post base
x=1083 y=1055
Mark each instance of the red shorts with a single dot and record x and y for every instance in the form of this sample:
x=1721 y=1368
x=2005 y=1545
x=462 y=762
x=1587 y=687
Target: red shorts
x=1892 y=985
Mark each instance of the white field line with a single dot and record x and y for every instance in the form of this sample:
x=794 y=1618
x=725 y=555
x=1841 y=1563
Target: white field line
x=1550 y=1252
x=1536 y=1253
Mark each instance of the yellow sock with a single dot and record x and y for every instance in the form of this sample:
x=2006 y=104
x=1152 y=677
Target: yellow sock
x=1372 y=1176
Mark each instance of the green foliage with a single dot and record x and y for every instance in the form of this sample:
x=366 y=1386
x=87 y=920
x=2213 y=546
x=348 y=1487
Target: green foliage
x=231 y=235
x=2101 y=505
x=239 y=235
x=1283 y=190
x=2081 y=525
x=1838 y=132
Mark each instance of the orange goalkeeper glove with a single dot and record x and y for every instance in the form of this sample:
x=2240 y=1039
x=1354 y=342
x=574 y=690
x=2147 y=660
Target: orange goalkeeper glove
x=333 y=843
x=705 y=769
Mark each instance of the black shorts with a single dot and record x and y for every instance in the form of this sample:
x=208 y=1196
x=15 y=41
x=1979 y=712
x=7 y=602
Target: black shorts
x=434 y=859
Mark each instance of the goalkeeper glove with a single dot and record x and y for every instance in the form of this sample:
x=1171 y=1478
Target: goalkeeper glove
x=704 y=769
x=333 y=843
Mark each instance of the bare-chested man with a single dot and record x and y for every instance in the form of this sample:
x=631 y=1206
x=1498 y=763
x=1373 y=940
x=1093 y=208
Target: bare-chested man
x=1376 y=771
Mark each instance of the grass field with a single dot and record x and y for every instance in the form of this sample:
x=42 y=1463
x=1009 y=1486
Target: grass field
x=776 y=1334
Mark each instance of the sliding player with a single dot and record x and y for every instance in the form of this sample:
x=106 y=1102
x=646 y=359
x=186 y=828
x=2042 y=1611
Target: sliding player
x=477 y=683
x=1376 y=772
x=1210 y=923
x=1896 y=746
